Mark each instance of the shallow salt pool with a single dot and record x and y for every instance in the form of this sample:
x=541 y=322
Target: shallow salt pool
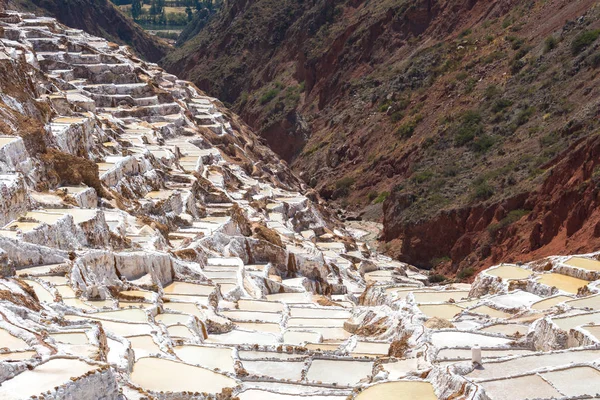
x=509 y=272
x=209 y=357
x=161 y=375
x=444 y=311
x=341 y=372
x=563 y=282
x=401 y=390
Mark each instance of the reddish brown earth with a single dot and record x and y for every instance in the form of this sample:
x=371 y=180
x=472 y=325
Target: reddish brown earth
x=468 y=127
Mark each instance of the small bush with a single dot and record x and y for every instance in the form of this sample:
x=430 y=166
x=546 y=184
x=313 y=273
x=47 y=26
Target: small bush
x=396 y=116
x=422 y=177
x=406 y=130
x=501 y=104
x=511 y=218
x=583 y=40
x=595 y=60
x=466 y=273
x=372 y=196
x=344 y=185
x=468 y=127
x=550 y=44
x=491 y=92
x=436 y=278
x=269 y=95
x=439 y=260
x=381 y=198
x=483 y=191
x=482 y=143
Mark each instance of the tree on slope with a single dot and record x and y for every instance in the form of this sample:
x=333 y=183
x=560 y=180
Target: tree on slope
x=136 y=9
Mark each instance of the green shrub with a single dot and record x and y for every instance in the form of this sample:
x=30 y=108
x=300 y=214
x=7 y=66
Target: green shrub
x=595 y=60
x=468 y=127
x=344 y=185
x=501 y=104
x=524 y=115
x=381 y=198
x=436 y=278
x=583 y=40
x=372 y=196
x=406 y=130
x=396 y=116
x=483 y=190
x=550 y=44
x=465 y=273
x=422 y=177
x=482 y=143
x=491 y=92
x=269 y=95
x=439 y=260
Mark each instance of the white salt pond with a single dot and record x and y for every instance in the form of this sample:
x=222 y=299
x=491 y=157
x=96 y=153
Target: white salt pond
x=509 y=272
x=319 y=313
x=337 y=371
x=70 y=338
x=444 y=311
x=565 y=283
x=129 y=314
x=143 y=346
x=281 y=370
x=522 y=365
x=161 y=375
x=40 y=291
x=188 y=288
x=440 y=296
x=256 y=394
x=507 y=329
x=12 y=342
x=583 y=263
x=491 y=312
x=17 y=356
x=239 y=337
x=172 y=319
x=549 y=302
x=252 y=316
x=401 y=390
x=521 y=388
x=567 y=323
x=44 y=377
x=467 y=339
x=209 y=357
x=316 y=322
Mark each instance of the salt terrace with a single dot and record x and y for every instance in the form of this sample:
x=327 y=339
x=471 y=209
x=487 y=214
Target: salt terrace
x=199 y=267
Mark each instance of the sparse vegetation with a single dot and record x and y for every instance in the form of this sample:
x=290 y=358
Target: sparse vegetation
x=465 y=273
x=583 y=40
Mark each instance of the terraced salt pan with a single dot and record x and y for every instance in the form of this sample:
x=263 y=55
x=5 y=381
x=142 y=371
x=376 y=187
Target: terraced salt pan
x=70 y=337
x=371 y=348
x=188 y=289
x=123 y=329
x=440 y=296
x=161 y=375
x=267 y=355
x=569 y=381
x=301 y=337
x=180 y=331
x=466 y=354
x=402 y=390
x=444 y=311
x=316 y=322
x=583 y=263
x=129 y=315
x=186 y=308
x=54 y=280
x=186 y=298
x=486 y=310
x=507 y=329
x=66 y=292
x=44 y=377
x=509 y=272
x=11 y=342
x=256 y=394
x=521 y=388
x=549 y=302
x=319 y=313
x=260 y=327
x=281 y=370
x=592 y=302
x=594 y=330
x=323 y=346
x=565 y=283
x=257 y=305
x=238 y=337
x=40 y=291
x=337 y=371
x=466 y=339
x=291 y=297
x=252 y=316
x=567 y=323
x=146 y=295
x=209 y=357
x=172 y=319
x=143 y=346
x=523 y=365
x=17 y=356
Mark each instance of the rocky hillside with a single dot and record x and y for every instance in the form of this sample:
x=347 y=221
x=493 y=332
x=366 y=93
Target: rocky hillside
x=453 y=115
x=100 y=18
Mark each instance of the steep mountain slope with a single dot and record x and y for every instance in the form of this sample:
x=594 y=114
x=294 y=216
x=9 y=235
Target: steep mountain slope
x=448 y=109
x=100 y=18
